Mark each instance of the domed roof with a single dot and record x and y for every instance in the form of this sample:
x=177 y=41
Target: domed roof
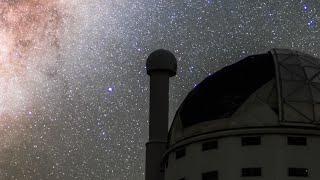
x=281 y=87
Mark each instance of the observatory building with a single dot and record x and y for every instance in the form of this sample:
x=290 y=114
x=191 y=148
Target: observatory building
x=256 y=119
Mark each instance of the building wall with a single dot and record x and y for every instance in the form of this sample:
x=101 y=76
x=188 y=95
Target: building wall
x=273 y=155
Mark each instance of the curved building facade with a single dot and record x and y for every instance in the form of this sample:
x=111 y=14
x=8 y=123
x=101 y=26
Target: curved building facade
x=256 y=119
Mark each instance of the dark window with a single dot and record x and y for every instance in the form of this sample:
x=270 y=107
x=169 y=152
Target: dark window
x=252 y=140
x=180 y=153
x=182 y=179
x=298 y=172
x=213 y=175
x=209 y=145
x=251 y=171
x=300 y=141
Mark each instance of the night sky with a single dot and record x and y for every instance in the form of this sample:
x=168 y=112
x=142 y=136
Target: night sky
x=74 y=90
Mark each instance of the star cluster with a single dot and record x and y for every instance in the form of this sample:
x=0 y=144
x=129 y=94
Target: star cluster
x=77 y=106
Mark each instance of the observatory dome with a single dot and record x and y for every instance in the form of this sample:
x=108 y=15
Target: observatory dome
x=278 y=88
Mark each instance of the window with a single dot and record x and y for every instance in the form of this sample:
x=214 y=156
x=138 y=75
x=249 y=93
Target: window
x=251 y=140
x=180 y=153
x=300 y=141
x=209 y=145
x=182 y=179
x=298 y=172
x=251 y=172
x=213 y=175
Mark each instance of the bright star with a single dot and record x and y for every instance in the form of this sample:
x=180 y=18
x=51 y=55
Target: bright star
x=110 y=89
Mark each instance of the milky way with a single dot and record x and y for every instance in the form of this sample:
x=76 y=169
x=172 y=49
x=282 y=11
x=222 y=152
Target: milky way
x=30 y=32
x=74 y=91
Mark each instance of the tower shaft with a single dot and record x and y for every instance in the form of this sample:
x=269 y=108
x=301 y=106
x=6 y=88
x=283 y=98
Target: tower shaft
x=158 y=125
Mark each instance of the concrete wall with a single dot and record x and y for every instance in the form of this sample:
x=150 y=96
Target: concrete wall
x=273 y=155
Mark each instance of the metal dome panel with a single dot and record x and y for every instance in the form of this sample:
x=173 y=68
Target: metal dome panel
x=280 y=88
x=222 y=93
x=298 y=78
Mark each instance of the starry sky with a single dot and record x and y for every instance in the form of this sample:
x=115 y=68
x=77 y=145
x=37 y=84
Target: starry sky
x=74 y=89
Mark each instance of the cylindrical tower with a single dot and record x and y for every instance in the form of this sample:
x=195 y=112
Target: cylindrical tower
x=161 y=64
